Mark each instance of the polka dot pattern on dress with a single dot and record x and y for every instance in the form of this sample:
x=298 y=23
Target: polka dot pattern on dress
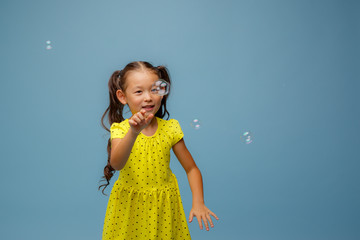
x=145 y=201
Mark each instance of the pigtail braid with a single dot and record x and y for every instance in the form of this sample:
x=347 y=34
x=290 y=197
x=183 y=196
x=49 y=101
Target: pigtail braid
x=115 y=115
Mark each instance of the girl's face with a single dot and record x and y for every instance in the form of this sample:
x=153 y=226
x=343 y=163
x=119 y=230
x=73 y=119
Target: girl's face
x=139 y=94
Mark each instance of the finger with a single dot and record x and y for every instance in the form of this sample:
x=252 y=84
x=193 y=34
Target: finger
x=200 y=223
x=136 y=118
x=210 y=220
x=132 y=122
x=206 y=223
x=140 y=116
x=146 y=115
x=214 y=215
x=191 y=216
x=143 y=112
x=148 y=119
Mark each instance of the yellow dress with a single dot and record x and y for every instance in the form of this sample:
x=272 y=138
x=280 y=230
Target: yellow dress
x=145 y=201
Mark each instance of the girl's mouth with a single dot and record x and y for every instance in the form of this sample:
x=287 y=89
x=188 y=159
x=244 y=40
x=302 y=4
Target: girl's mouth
x=148 y=108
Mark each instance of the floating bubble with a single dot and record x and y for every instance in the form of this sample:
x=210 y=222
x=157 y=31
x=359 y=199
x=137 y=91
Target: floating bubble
x=195 y=123
x=247 y=137
x=161 y=87
x=48 y=46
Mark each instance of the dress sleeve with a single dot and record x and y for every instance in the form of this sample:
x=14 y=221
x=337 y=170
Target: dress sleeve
x=117 y=130
x=177 y=132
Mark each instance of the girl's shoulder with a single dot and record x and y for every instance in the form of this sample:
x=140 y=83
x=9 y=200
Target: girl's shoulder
x=172 y=129
x=119 y=129
x=168 y=124
x=124 y=124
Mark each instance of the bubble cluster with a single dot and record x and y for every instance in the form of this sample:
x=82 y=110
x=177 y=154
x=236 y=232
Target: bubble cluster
x=195 y=123
x=246 y=137
x=161 y=87
x=48 y=45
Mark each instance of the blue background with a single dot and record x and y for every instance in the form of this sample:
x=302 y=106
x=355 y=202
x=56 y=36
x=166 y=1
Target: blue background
x=288 y=71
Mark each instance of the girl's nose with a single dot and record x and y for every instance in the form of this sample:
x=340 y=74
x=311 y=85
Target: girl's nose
x=147 y=96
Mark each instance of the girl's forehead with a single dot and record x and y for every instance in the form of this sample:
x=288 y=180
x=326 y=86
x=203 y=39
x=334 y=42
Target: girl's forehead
x=135 y=78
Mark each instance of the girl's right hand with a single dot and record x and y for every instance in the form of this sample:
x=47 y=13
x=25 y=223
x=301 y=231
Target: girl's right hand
x=139 y=121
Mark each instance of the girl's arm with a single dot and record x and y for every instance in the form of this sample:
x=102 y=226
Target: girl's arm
x=121 y=149
x=195 y=180
x=192 y=171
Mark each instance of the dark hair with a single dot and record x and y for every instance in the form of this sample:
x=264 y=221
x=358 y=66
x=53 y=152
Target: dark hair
x=118 y=81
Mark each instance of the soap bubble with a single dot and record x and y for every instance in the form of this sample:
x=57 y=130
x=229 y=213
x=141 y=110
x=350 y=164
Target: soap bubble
x=48 y=46
x=195 y=123
x=246 y=137
x=161 y=87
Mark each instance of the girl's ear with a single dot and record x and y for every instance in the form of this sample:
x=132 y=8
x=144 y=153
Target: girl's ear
x=121 y=97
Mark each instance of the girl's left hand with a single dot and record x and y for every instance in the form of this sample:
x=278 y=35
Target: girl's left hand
x=201 y=212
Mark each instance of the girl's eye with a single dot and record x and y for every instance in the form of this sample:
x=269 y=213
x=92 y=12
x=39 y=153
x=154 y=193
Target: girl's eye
x=137 y=91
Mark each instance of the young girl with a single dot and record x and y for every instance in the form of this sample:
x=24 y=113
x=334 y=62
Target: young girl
x=145 y=200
